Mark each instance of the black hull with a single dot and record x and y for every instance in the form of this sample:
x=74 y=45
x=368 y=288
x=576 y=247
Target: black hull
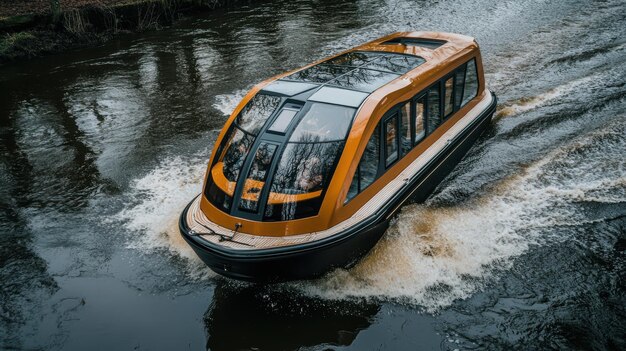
x=310 y=260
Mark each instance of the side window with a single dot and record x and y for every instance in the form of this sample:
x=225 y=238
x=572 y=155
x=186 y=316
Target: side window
x=433 y=113
x=405 y=125
x=459 y=77
x=370 y=161
x=367 y=171
x=391 y=140
x=419 y=120
x=471 y=83
x=448 y=102
x=354 y=186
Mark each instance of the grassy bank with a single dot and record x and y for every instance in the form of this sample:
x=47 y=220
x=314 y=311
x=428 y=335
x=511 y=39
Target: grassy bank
x=52 y=29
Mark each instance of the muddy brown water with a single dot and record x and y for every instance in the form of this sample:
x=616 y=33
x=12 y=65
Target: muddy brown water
x=521 y=246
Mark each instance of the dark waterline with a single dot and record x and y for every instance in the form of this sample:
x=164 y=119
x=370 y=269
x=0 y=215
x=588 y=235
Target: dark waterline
x=522 y=245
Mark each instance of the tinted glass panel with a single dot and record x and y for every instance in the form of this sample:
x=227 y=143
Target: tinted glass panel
x=323 y=122
x=363 y=79
x=458 y=86
x=292 y=210
x=395 y=63
x=370 y=160
x=289 y=88
x=448 y=102
x=434 y=118
x=256 y=176
x=319 y=73
x=425 y=43
x=236 y=154
x=339 y=96
x=367 y=171
x=227 y=167
x=253 y=116
x=283 y=120
x=353 y=59
x=217 y=196
x=354 y=186
x=419 y=120
x=471 y=83
x=405 y=125
x=391 y=141
x=304 y=167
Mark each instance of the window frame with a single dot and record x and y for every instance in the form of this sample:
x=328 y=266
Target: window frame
x=443 y=80
x=394 y=112
x=421 y=96
x=465 y=80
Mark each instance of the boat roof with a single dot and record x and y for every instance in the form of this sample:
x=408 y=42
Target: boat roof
x=351 y=76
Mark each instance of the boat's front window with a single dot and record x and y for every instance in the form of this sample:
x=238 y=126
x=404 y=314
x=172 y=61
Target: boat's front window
x=235 y=147
x=303 y=172
x=255 y=113
x=235 y=154
x=256 y=176
x=307 y=162
x=323 y=122
x=279 y=172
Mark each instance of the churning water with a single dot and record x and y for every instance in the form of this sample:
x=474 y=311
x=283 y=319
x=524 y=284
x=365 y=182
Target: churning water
x=522 y=245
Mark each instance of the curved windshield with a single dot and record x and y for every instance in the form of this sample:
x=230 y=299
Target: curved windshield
x=235 y=147
x=323 y=122
x=253 y=116
x=307 y=162
x=303 y=172
x=235 y=154
x=280 y=177
x=304 y=167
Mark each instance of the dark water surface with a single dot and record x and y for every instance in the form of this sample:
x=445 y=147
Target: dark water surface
x=522 y=245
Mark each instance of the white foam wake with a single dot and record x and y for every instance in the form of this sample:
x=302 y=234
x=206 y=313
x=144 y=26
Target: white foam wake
x=161 y=195
x=526 y=104
x=433 y=256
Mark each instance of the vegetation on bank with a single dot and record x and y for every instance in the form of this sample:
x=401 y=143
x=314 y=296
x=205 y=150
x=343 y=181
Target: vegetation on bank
x=86 y=22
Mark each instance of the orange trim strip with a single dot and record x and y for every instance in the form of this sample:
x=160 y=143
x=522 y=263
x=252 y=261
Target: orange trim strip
x=274 y=198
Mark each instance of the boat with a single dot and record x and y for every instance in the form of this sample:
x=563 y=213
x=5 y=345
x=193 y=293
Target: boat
x=313 y=163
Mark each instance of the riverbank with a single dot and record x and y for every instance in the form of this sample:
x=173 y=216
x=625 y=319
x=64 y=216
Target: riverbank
x=33 y=28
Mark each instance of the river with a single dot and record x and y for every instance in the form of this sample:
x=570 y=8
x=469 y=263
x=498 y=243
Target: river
x=522 y=246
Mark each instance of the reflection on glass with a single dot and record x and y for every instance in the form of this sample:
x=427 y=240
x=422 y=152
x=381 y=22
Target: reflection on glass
x=471 y=83
x=395 y=63
x=228 y=166
x=256 y=176
x=419 y=120
x=323 y=122
x=261 y=317
x=363 y=79
x=370 y=160
x=405 y=124
x=391 y=141
x=217 y=196
x=353 y=59
x=434 y=118
x=282 y=121
x=319 y=73
x=354 y=185
x=459 y=77
x=367 y=171
x=236 y=154
x=448 y=104
x=253 y=116
x=303 y=168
